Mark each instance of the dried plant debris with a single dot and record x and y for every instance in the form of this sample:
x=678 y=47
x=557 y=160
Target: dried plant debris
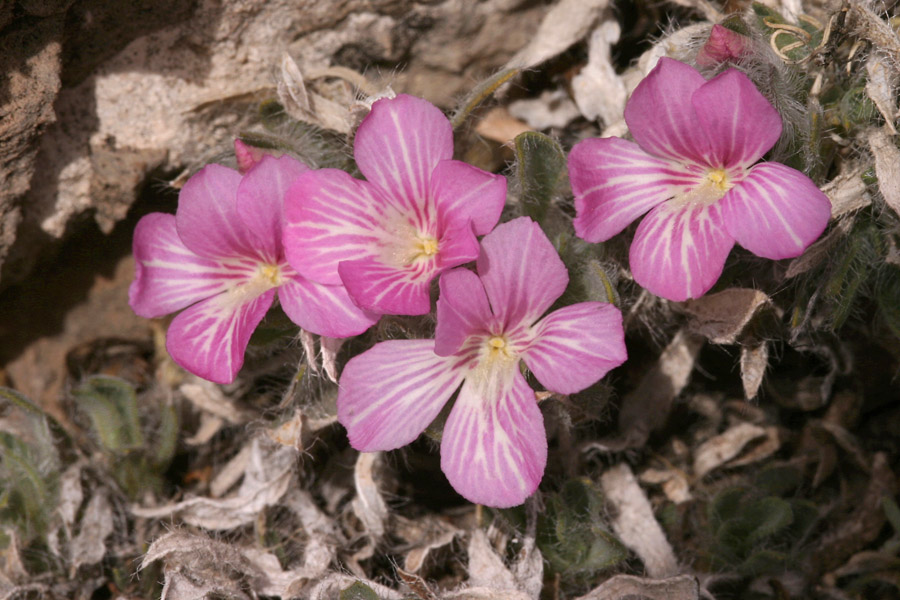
x=748 y=448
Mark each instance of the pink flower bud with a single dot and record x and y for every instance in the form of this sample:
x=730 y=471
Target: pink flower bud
x=722 y=46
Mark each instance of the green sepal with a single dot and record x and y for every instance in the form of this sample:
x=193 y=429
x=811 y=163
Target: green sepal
x=111 y=405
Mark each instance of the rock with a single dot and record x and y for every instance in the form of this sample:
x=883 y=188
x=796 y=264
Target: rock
x=160 y=86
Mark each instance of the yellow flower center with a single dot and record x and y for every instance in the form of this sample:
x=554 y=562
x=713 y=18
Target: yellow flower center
x=719 y=178
x=427 y=245
x=269 y=275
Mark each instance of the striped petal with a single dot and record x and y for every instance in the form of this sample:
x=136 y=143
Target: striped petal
x=388 y=395
x=494 y=447
x=209 y=338
x=462 y=310
x=660 y=114
x=463 y=192
x=679 y=250
x=323 y=309
x=399 y=144
x=330 y=217
x=207 y=217
x=575 y=346
x=740 y=124
x=168 y=276
x=615 y=182
x=260 y=200
x=776 y=211
x=387 y=289
x=521 y=272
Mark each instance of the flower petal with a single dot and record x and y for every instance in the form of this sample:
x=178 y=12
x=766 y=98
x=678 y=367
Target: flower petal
x=169 y=277
x=388 y=395
x=494 y=448
x=260 y=201
x=679 y=251
x=615 y=182
x=776 y=211
x=389 y=290
x=207 y=218
x=323 y=309
x=575 y=346
x=330 y=217
x=463 y=192
x=209 y=339
x=457 y=246
x=740 y=124
x=660 y=115
x=521 y=272
x=462 y=310
x=399 y=144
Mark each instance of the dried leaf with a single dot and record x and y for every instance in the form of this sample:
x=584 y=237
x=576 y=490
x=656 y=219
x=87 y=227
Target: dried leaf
x=598 y=91
x=760 y=451
x=426 y=533
x=717 y=451
x=486 y=568
x=307 y=106
x=647 y=407
x=674 y=483
x=754 y=360
x=887 y=167
x=330 y=349
x=635 y=524
x=864 y=525
x=553 y=108
x=821 y=249
x=321 y=547
x=498 y=125
x=89 y=547
x=721 y=317
x=266 y=478
x=626 y=587
x=368 y=504
x=566 y=23
x=208 y=397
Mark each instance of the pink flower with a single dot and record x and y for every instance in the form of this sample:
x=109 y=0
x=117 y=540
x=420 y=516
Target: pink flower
x=494 y=447
x=693 y=169
x=220 y=258
x=416 y=215
x=722 y=46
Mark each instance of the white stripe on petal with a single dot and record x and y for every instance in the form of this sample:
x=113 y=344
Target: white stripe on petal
x=389 y=394
x=331 y=217
x=615 y=182
x=169 y=276
x=679 y=250
x=209 y=339
x=521 y=272
x=575 y=346
x=494 y=448
x=776 y=211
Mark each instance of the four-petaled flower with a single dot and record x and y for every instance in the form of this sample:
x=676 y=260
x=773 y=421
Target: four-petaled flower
x=417 y=213
x=693 y=169
x=221 y=258
x=494 y=447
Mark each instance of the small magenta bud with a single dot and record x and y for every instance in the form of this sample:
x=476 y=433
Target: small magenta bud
x=723 y=45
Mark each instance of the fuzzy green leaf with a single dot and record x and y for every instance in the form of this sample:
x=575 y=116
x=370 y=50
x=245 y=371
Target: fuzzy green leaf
x=358 y=591
x=540 y=171
x=111 y=405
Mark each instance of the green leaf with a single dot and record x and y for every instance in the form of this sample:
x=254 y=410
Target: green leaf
x=358 y=591
x=111 y=405
x=767 y=517
x=763 y=561
x=540 y=170
x=482 y=92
